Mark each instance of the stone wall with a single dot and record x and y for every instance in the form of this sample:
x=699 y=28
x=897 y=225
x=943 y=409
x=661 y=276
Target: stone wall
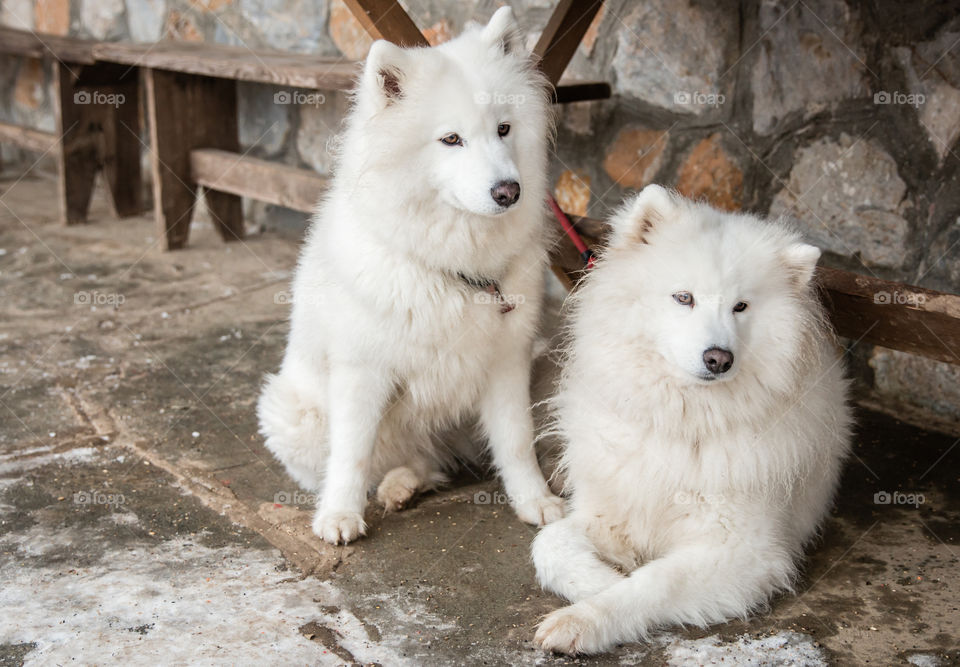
x=843 y=116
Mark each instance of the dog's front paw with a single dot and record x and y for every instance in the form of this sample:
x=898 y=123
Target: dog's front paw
x=540 y=510
x=571 y=630
x=338 y=527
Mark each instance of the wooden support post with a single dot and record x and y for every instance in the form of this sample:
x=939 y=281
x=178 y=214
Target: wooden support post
x=386 y=19
x=115 y=92
x=560 y=39
x=98 y=127
x=77 y=151
x=188 y=112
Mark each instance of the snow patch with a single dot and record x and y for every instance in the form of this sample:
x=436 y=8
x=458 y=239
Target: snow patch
x=19 y=465
x=786 y=649
x=175 y=602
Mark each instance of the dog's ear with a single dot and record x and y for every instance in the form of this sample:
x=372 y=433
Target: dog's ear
x=502 y=32
x=801 y=261
x=635 y=220
x=383 y=73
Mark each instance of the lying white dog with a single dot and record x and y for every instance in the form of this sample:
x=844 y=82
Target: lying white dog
x=703 y=412
x=418 y=291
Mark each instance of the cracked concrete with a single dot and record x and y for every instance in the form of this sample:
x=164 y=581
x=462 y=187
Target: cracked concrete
x=141 y=518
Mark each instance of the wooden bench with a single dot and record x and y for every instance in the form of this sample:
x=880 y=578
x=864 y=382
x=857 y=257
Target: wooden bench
x=191 y=100
x=97 y=123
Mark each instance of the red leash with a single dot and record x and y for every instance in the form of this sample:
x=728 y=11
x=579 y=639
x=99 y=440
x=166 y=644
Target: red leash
x=585 y=253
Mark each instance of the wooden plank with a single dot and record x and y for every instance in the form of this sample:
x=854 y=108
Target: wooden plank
x=275 y=183
x=894 y=315
x=581 y=91
x=27 y=138
x=560 y=38
x=386 y=19
x=42 y=45
x=230 y=62
x=187 y=112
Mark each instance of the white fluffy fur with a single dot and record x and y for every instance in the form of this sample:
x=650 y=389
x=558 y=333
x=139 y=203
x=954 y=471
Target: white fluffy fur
x=692 y=498
x=387 y=344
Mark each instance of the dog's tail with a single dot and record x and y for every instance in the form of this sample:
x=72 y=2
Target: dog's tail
x=293 y=424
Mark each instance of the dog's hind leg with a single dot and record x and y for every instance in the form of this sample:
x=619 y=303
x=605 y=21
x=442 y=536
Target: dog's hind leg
x=293 y=425
x=567 y=562
x=400 y=485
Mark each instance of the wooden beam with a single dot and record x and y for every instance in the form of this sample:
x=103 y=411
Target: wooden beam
x=280 y=184
x=27 y=138
x=894 y=315
x=561 y=37
x=40 y=45
x=230 y=62
x=582 y=91
x=386 y=19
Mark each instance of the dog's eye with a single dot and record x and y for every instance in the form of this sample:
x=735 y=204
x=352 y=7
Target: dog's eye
x=452 y=139
x=503 y=129
x=740 y=306
x=683 y=298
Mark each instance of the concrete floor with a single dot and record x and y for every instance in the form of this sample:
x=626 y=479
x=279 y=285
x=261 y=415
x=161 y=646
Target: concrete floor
x=142 y=520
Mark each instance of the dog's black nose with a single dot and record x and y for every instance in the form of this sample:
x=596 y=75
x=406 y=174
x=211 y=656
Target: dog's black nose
x=505 y=193
x=717 y=360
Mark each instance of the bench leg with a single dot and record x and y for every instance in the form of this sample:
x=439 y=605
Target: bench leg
x=121 y=147
x=99 y=126
x=77 y=151
x=188 y=112
x=227 y=213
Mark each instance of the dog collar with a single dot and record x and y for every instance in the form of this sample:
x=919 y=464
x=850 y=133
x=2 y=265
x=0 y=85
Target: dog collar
x=489 y=286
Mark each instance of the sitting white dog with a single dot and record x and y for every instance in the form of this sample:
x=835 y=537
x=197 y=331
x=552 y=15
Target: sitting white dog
x=704 y=418
x=418 y=290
